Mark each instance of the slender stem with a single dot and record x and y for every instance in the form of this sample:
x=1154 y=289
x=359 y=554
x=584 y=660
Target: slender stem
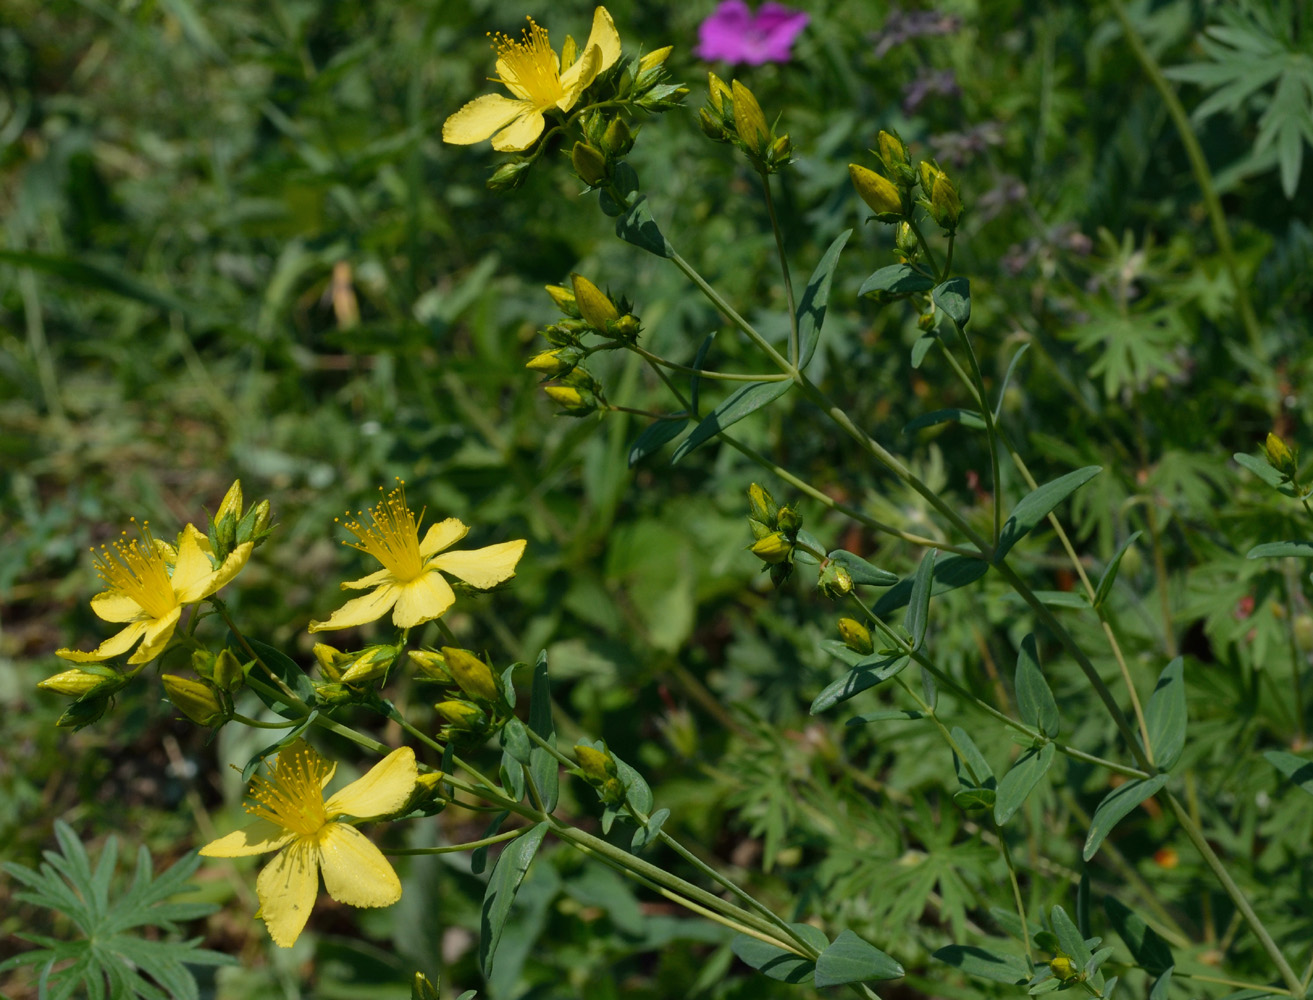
x=730 y=312
x=1296 y=667
x=1016 y=890
x=1160 y=574
x=925 y=245
x=457 y=848
x=1202 y=175
x=257 y=724
x=1237 y=895
x=1237 y=983
x=991 y=436
x=704 y=373
x=287 y=692
x=794 y=356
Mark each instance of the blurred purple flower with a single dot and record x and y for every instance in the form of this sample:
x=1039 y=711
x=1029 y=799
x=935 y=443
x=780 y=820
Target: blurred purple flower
x=927 y=82
x=902 y=26
x=958 y=148
x=737 y=35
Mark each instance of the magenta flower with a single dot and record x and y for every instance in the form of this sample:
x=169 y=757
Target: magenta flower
x=737 y=35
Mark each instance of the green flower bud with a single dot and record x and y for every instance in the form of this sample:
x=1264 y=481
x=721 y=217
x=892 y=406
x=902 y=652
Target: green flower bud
x=224 y=533
x=564 y=299
x=892 y=151
x=856 y=636
x=834 y=581
x=627 y=327
x=76 y=683
x=618 y=138
x=711 y=127
x=254 y=527
x=1279 y=456
x=508 y=176
x=422 y=989
x=1063 y=968
x=718 y=94
x=945 y=205
x=202 y=661
x=472 y=675
x=332 y=662
x=589 y=164
x=194 y=699
x=369 y=664
x=596 y=765
x=905 y=240
x=774 y=548
x=228 y=674
x=430 y=665
x=578 y=393
x=462 y=715
x=596 y=309
x=555 y=363
x=789 y=520
x=878 y=192
x=654 y=59
x=749 y=121
x=928 y=172
x=761 y=505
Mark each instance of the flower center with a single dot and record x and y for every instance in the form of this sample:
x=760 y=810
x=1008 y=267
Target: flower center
x=136 y=569
x=393 y=537
x=293 y=795
x=529 y=66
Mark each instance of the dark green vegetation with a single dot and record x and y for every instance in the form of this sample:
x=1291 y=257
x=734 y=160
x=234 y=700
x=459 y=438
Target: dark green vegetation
x=234 y=246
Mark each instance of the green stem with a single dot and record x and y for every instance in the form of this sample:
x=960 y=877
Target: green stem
x=1016 y=890
x=925 y=245
x=730 y=313
x=257 y=724
x=457 y=848
x=1296 y=668
x=704 y=373
x=794 y=356
x=287 y=693
x=1237 y=895
x=991 y=436
x=1202 y=175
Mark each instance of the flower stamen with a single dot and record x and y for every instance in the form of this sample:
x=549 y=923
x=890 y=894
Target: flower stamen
x=393 y=537
x=136 y=568
x=529 y=66
x=292 y=796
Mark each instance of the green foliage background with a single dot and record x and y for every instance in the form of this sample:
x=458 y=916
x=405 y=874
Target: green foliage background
x=179 y=181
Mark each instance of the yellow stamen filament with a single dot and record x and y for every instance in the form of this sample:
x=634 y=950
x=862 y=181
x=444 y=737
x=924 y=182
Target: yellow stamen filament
x=393 y=537
x=293 y=795
x=136 y=569
x=529 y=65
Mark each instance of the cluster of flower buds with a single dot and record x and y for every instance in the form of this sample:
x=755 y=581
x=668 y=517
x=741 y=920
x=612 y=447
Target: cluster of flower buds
x=733 y=115
x=889 y=193
x=207 y=698
x=231 y=526
x=350 y=676
x=588 y=311
x=775 y=530
x=607 y=140
x=598 y=768
x=92 y=686
x=642 y=81
x=481 y=707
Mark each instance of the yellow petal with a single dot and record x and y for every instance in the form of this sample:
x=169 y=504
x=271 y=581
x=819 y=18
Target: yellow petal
x=115 y=606
x=192 y=568
x=484 y=567
x=441 y=536
x=259 y=837
x=115 y=645
x=577 y=77
x=605 y=37
x=383 y=789
x=156 y=636
x=369 y=608
x=375 y=579
x=287 y=888
x=480 y=118
x=521 y=133
x=426 y=597
x=355 y=871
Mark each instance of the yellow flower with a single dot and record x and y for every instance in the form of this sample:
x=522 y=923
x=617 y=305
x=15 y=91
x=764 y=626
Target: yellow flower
x=531 y=71
x=411 y=584
x=293 y=818
x=148 y=583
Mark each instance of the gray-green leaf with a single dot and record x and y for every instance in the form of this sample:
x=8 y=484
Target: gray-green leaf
x=1116 y=805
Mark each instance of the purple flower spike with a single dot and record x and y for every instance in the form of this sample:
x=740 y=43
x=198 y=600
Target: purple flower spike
x=736 y=35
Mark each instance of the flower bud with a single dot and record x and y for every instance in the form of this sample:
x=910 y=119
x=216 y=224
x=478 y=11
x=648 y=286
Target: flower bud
x=878 y=192
x=578 y=393
x=430 y=665
x=1279 y=456
x=594 y=306
x=789 y=520
x=780 y=154
x=202 y=661
x=76 y=683
x=834 y=581
x=369 y=664
x=618 y=138
x=1063 y=968
x=589 y=164
x=508 y=176
x=596 y=765
x=718 y=93
x=762 y=506
x=749 y=121
x=564 y=299
x=627 y=327
x=254 y=527
x=472 y=675
x=892 y=150
x=462 y=715
x=228 y=674
x=225 y=520
x=905 y=239
x=653 y=59
x=945 y=205
x=194 y=699
x=334 y=693
x=332 y=662
x=711 y=127
x=554 y=364
x=82 y=712
x=774 y=548
x=422 y=989
x=928 y=172
x=231 y=505
x=856 y=636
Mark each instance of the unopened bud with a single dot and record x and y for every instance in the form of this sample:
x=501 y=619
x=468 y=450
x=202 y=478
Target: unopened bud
x=618 y=138
x=555 y=363
x=508 y=176
x=570 y=400
x=774 y=548
x=928 y=172
x=711 y=127
x=719 y=94
x=228 y=674
x=877 y=191
x=905 y=241
x=781 y=153
x=231 y=505
x=1279 y=455
x=856 y=636
x=627 y=327
x=597 y=765
x=749 y=121
x=472 y=675
x=461 y=714
x=564 y=299
x=255 y=525
x=945 y=205
x=369 y=664
x=892 y=150
x=332 y=662
x=1063 y=968
x=422 y=989
x=789 y=520
x=834 y=580
x=75 y=683
x=594 y=306
x=194 y=699
x=430 y=665
x=654 y=59
x=202 y=661
x=589 y=164
x=761 y=505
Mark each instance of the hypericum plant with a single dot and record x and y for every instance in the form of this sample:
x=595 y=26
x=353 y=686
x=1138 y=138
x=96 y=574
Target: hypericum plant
x=1091 y=721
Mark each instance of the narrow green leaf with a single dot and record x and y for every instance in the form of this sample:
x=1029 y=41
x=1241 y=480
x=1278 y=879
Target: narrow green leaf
x=954 y=298
x=1021 y=780
x=512 y=776
x=749 y=399
x=862 y=571
x=1260 y=467
x=973 y=771
x=1116 y=805
x=856 y=681
x=644 y=835
x=815 y=297
x=967 y=418
x=1035 y=506
x=542 y=765
x=851 y=960
x=286 y=670
x=974 y=798
x=918 y=605
x=695 y=381
x=1034 y=699
x=1146 y=947
x=1007 y=378
x=1269 y=550
x=950 y=573
x=921 y=347
x=1297 y=769
x=886 y=715
x=637 y=791
x=639 y=228
x=1161 y=986
x=1165 y=716
x=515 y=740
x=479 y=856
x=655 y=435
x=985 y=964
x=1110 y=572
x=1069 y=937
x=507 y=875
x=896 y=279
x=777 y=963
